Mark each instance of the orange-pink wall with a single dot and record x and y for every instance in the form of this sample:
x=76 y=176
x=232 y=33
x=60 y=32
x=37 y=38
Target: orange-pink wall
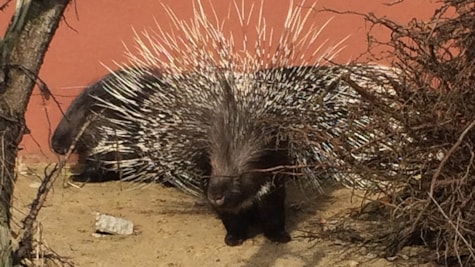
x=93 y=33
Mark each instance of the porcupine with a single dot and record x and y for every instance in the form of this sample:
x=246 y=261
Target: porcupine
x=235 y=122
x=101 y=158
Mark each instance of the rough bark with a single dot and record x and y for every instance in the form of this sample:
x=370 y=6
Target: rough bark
x=22 y=53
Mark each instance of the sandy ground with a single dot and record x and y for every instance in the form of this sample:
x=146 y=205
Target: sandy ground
x=174 y=229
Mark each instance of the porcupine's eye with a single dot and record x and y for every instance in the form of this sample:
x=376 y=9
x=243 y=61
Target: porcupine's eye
x=249 y=181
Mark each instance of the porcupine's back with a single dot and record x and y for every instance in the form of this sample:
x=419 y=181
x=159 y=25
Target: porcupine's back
x=316 y=107
x=298 y=109
x=165 y=145
x=274 y=104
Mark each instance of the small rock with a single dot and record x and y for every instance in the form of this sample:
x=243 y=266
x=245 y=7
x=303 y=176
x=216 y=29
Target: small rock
x=113 y=225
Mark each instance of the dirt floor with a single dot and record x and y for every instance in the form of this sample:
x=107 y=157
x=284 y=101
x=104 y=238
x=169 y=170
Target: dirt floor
x=174 y=229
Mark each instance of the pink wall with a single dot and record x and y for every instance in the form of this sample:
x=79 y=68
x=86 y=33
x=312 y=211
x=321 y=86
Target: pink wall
x=93 y=32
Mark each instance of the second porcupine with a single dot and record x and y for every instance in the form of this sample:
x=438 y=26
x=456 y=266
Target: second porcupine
x=83 y=126
x=239 y=121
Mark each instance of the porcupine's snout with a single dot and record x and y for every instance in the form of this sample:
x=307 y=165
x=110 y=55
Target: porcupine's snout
x=58 y=147
x=63 y=137
x=218 y=189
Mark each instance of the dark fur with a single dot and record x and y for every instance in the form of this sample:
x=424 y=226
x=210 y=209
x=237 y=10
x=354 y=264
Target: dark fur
x=236 y=157
x=240 y=214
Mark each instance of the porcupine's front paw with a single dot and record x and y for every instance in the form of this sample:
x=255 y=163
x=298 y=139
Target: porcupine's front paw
x=278 y=236
x=233 y=240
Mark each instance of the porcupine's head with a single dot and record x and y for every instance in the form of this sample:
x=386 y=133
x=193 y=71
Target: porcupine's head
x=79 y=112
x=84 y=123
x=242 y=149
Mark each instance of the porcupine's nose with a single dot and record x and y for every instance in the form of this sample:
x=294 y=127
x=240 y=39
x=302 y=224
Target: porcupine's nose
x=217 y=200
x=216 y=191
x=58 y=146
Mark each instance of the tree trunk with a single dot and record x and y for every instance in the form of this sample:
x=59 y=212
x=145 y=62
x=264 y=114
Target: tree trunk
x=22 y=52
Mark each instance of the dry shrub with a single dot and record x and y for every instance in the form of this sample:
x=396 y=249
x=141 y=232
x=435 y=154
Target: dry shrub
x=427 y=124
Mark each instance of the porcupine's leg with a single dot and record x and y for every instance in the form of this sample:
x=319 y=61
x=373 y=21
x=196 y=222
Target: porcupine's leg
x=272 y=215
x=89 y=175
x=237 y=225
x=91 y=171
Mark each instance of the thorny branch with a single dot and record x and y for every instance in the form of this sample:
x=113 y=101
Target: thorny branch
x=46 y=185
x=432 y=129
